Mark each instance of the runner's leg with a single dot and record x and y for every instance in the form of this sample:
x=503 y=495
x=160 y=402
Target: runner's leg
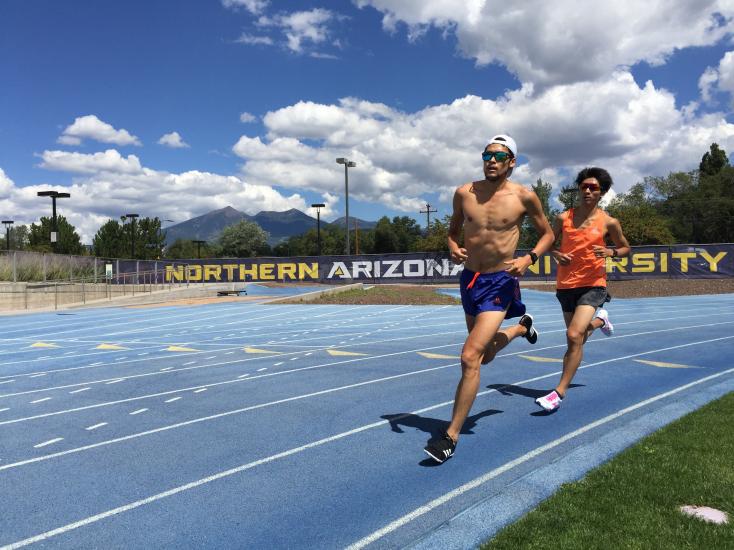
x=483 y=330
x=500 y=341
x=577 y=324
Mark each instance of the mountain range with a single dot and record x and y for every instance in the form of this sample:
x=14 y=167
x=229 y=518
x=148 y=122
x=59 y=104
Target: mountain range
x=279 y=225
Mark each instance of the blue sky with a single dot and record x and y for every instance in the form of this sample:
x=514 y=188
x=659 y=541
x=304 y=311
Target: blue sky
x=176 y=108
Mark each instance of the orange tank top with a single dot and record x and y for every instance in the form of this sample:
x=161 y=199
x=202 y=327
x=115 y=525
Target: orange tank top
x=585 y=268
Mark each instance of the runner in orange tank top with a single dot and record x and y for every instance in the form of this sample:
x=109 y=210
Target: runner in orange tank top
x=581 y=279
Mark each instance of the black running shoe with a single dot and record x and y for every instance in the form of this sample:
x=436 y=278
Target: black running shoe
x=442 y=449
x=527 y=321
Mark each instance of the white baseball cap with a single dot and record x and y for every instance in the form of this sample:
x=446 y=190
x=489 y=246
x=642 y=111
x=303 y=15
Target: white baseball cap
x=507 y=141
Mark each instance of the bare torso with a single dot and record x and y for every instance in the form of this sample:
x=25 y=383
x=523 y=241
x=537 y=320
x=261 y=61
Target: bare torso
x=492 y=217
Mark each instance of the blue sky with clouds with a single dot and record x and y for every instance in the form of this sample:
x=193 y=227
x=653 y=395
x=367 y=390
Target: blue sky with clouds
x=176 y=108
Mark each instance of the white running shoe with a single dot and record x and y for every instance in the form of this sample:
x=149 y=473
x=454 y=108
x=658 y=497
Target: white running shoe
x=550 y=402
x=607 y=328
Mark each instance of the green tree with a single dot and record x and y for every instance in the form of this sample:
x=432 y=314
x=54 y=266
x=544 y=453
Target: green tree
x=407 y=231
x=151 y=239
x=243 y=239
x=109 y=241
x=386 y=240
x=714 y=206
x=528 y=234
x=436 y=240
x=113 y=239
x=19 y=235
x=713 y=161
x=181 y=249
x=568 y=196
x=68 y=241
x=641 y=221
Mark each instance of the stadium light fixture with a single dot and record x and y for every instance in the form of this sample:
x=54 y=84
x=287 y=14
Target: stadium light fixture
x=347 y=165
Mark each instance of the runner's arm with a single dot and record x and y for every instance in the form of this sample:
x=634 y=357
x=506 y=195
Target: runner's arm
x=614 y=230
x=534 y=211
x=458 y=254
x=563 y=259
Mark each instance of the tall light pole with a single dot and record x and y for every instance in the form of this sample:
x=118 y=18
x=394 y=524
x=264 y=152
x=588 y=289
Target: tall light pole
x=7 y=224
x=318 y=207
x=347 y=164
x=132 y=233
x=198 y=247
x=54 y=227
x=427 y=212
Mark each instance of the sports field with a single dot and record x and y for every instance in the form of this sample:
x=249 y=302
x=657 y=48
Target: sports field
x=239 y=424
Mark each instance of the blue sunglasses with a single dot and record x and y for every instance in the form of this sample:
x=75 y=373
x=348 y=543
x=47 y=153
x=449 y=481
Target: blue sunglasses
x=499 y=156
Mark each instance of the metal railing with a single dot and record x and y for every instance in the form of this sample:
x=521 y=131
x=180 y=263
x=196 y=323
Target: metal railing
x=83 y=290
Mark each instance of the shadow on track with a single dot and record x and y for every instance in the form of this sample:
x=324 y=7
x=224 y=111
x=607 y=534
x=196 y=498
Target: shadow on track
x=435 y=427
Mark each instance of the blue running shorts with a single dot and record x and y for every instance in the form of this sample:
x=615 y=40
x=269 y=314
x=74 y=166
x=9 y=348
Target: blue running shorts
x=490 y=292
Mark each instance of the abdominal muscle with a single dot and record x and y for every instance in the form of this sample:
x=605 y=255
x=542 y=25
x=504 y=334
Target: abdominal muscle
x=489 y=249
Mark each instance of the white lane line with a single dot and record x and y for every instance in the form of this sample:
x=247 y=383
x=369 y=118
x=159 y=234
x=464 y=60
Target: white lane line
x=200 y=390
x=355 y=360
x=90 y=428
x=278 y=364
x=141 y=354
x=81 y=390
x=172 y=400
x=212 y=357
x=7 y=381
x=37 y=375
x=325 y=392
x=392 y=526
x=262 y=369
x=95 y=364
x=309 y=353
x=138 y=412
x=40 y=400
x=421 y=510
x=49 y=442
x=243 y=376
x=189 y=363
x=229 y=353
x=166 y=368
x=294 y=358
x=5 y=409
x=114 y=381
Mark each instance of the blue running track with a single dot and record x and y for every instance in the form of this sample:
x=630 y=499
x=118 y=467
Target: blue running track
x=245 y=425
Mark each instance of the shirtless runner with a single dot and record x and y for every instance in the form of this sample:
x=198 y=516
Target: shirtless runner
x=491 y=212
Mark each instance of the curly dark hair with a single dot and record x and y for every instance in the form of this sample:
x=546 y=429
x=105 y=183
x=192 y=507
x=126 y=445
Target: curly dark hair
x=601 y=175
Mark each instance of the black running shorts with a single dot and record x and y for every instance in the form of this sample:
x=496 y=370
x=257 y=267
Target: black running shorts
x=595 y=296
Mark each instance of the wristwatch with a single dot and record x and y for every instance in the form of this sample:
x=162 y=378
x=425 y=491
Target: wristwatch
x=614 y=252
x=533 y=256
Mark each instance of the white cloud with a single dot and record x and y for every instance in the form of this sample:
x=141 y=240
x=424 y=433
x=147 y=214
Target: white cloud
x=173 y=140
x=106 y=188
x=80 y=163
x=707 y=83
x=91 y=127
x=300 y=32
x=252 y=40
x=719 y=79
x=253 y=6
x=633 y=131
x=566 y=41
x=246 y=117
